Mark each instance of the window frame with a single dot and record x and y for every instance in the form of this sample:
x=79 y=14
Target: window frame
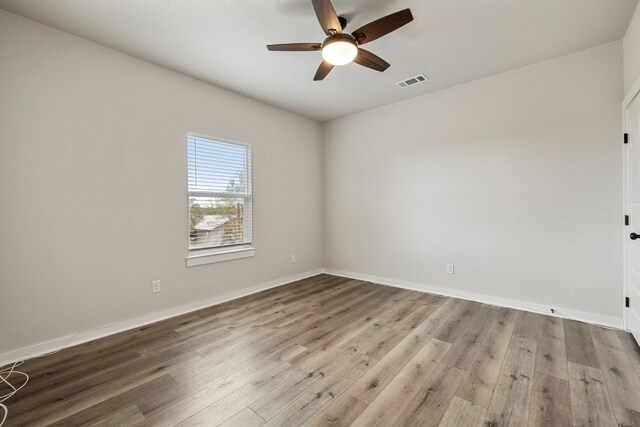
x=204 y=256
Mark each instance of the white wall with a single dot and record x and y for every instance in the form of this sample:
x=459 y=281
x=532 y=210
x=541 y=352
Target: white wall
x=93 y=186
x=632 y=52
x=515 y=179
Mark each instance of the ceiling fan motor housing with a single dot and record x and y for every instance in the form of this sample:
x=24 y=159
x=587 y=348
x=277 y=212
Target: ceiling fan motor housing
x=341 y=37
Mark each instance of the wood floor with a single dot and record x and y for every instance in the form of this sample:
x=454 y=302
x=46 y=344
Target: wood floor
x=329 y=351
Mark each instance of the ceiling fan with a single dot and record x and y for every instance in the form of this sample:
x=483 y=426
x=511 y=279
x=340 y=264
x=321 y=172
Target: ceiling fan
x=341 y=48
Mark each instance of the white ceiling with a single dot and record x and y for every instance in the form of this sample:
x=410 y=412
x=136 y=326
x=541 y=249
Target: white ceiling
x=223 y=42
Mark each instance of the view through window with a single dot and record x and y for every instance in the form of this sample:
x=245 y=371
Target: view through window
x=219 y=179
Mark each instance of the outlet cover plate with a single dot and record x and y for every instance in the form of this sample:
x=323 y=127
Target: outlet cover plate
x=156 y=286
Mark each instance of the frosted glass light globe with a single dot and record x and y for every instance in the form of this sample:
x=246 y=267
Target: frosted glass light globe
x=339 y=50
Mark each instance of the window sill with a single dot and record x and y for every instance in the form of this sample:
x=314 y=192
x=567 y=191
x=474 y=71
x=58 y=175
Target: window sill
x=210 y=258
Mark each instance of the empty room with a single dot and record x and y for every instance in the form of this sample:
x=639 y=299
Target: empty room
x=319 y=213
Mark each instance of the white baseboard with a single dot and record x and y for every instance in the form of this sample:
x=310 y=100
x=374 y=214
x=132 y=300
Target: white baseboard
x=56 y=344
x=592 y=318
x=36 y=350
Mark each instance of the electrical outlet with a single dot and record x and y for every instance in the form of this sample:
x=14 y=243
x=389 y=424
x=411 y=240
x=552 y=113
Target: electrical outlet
x=293 y=259
x=449 y=268
x=156 y=286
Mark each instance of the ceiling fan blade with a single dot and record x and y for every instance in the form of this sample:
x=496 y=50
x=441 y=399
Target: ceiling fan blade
x=323 y=70
x=294 y=47
x=327 y=17
x=383 y=26
x=369 y=60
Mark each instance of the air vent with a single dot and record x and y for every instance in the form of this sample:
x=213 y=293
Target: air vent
x=411 y=81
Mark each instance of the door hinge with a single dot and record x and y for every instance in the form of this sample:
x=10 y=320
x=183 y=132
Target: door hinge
x=627 y=302
x=626 y=138
x=626 y=220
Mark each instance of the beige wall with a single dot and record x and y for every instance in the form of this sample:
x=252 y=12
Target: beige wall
x=93 y=186
x=515 y=179
x=632 y=52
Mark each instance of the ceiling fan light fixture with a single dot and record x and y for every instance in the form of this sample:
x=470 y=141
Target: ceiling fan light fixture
x=340 y=49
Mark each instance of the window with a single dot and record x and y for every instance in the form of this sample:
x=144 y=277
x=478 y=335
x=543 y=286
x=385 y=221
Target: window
x=219 y=180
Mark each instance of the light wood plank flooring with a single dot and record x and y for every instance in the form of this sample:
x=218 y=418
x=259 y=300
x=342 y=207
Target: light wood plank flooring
x=329 y=351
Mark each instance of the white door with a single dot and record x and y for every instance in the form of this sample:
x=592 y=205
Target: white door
x=633 y=209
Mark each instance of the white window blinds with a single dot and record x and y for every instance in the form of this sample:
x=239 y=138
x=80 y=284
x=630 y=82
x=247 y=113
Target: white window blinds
x=219 y=179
